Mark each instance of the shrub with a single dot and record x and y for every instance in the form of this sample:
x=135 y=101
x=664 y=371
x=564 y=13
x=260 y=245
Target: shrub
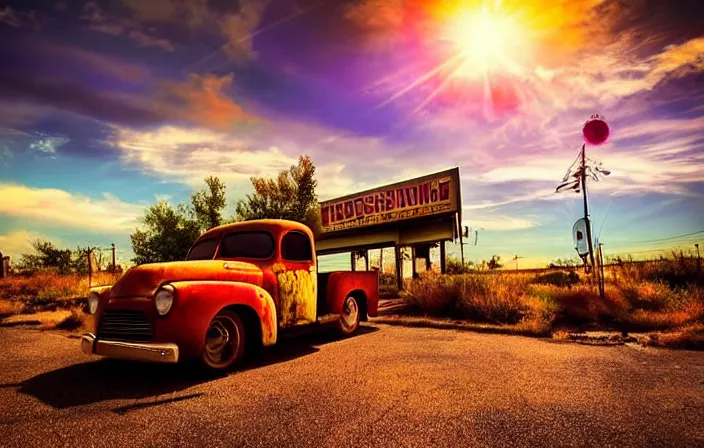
x=558 y=278
x=455 y=266
x=677 y=270
x=496 y=298
x=434 y=294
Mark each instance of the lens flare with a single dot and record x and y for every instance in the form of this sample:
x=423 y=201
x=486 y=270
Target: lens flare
x=476 y=49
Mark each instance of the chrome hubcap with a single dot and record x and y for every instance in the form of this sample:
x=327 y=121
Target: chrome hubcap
x=222 y=340
x=350 y=313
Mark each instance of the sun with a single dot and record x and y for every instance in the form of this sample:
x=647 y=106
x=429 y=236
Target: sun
x=487 y=49
x=486 y=41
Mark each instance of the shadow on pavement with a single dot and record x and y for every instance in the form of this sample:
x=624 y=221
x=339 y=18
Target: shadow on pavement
x=92 y=382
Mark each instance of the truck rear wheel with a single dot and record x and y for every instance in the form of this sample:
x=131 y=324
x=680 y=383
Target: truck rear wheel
x=224 y=341
x=349 y=318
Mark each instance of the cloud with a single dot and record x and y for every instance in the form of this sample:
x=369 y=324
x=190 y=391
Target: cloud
x=673 y=57
x=192 y=154
x=19 y=242
x=18 y=19
x=92 y=62
x=145 y=40
x=499 y=223
x=78 y=98
x=236 y=21
x=63 y=209
x=48 y=144
x=198 y=100
x=107 y=23
x=5 y=154
x=201 y=100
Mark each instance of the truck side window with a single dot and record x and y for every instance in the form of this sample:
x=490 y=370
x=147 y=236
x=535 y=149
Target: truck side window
x=295 y=246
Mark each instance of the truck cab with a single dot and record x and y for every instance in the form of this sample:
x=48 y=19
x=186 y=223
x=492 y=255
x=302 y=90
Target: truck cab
x=241 y=284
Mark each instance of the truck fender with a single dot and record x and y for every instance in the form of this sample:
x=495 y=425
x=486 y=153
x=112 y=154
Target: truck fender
x=363 y=285
x=202 y=300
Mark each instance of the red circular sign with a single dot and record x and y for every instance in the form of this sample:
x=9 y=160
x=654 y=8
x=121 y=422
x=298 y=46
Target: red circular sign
x=595 y=131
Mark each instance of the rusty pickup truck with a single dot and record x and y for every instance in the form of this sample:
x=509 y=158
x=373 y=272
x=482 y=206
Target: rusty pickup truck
x=241 y=285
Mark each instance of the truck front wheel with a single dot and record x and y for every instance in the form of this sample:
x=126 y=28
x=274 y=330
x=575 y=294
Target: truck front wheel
x=349 y=319
x=224 y=341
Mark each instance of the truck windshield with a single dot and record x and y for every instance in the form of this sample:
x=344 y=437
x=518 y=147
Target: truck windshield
x=247 y=245
x=203 y=250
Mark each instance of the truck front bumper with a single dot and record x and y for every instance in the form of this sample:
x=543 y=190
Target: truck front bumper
x=149 y=352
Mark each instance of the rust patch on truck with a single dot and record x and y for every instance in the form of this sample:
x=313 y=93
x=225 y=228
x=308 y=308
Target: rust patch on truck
x=297 y=301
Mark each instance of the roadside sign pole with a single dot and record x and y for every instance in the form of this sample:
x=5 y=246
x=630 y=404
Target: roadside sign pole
x=590 y=244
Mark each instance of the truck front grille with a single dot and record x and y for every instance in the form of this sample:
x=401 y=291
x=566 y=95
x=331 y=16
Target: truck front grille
x=124 y=325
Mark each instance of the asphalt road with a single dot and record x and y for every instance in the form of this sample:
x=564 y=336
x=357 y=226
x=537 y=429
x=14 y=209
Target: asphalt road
x=388 y=386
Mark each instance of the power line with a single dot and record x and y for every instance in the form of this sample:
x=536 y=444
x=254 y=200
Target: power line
x=670 y=238
x=684 y=241
x=644 y=251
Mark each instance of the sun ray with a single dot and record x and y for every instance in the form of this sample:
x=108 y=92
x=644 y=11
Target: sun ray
x=420 y=80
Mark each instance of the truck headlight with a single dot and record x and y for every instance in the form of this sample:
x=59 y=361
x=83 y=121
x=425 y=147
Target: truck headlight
x=164 y=299
x=93 y=299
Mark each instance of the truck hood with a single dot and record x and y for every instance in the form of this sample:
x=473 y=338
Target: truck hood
x=143 y=281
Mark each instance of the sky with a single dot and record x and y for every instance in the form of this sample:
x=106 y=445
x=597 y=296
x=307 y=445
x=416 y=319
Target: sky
x=108 y=106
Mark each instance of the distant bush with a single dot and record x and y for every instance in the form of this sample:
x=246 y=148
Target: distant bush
x=676 y=270
x=558 y=278
x=455 y=266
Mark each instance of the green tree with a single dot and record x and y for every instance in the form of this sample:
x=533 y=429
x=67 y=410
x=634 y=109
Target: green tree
x=167 y=235
x=168 y=232
x=291 y=195
x=209 y=203
x=494 y=263
x=47 y=256
x=79 y=260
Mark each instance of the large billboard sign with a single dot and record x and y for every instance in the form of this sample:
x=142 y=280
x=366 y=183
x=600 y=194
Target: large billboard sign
x=430 y=195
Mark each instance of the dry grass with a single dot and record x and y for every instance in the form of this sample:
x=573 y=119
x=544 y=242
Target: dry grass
x=73 y=319
x=689 y=337
x=9 y=308
x=657 y=296
x=47 y=291
x=540 y=304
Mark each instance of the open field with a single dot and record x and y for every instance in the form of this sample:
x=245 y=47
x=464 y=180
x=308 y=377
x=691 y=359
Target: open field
x=656 y=296
x=48 y=299
x=664 y=297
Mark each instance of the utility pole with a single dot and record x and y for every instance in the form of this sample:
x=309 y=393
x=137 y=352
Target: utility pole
x=515 y=258
x=114 y=268
x=90 y=268
x=586 y=204
x=601 y=270
x=699 y=260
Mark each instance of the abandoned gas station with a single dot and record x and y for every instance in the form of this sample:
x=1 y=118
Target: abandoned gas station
x=419 y=214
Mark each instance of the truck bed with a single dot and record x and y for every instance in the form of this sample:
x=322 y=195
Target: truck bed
x=334 y=287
